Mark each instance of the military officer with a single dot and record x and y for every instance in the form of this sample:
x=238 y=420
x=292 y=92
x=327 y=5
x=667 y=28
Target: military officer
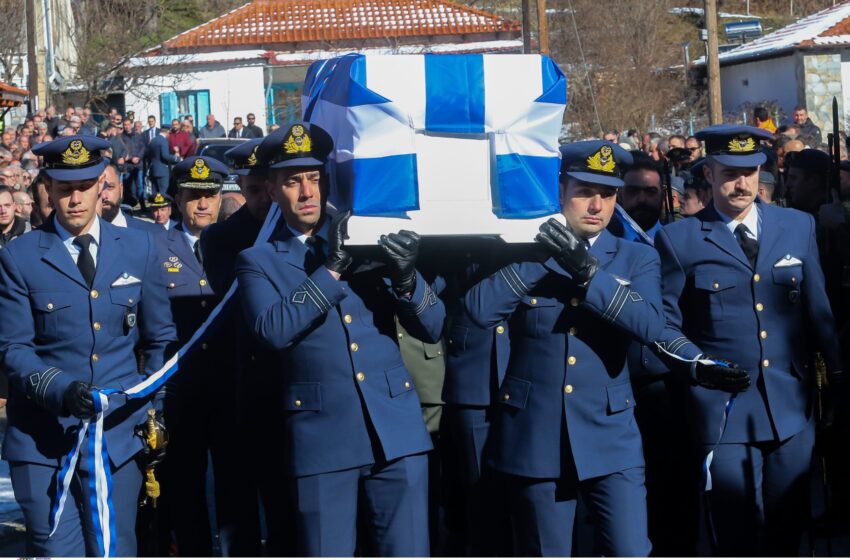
x=253 y=368
x=354 y=436
x=565 y=423
x=78 y=297
x=742 y=282
x=159 y=206
x=194 y=396
x=109 y=204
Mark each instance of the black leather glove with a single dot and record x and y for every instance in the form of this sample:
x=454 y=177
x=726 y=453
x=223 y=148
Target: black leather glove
x=78 y=400
x=149 y=456
x=338 y=258
x=401 y=250
x=568 y=250
x=730 y=378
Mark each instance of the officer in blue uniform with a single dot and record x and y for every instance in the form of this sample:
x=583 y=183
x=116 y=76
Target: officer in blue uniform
x=111 y=196
x=255 y=376
x=159 y=207
x=78 y=297
x=742 y=283
x=198 y=399
x=159 y=159
x=565 y=423
x=355 y=440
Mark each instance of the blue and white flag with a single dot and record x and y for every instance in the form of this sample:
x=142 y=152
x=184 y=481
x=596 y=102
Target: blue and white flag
x=374 y=106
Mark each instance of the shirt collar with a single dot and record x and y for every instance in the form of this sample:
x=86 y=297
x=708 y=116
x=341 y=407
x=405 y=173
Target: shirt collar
x=68 y=239
x=752 y=220
x=592 y=240
x=302 y=237
x=120 y=220
x=189 y=237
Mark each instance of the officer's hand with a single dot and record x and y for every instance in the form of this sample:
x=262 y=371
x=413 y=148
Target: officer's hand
x=78 y=400
x=401 y=250
x=568 y=250
x=728 y=378
x=338 y=258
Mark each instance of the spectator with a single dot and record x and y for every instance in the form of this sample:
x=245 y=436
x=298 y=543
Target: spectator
x=133 y=178
x=110 y=119
x=52 y=120
x=273 y=127
x=41 y=209
x=762 y=119
x=7 y=139
x=611 y=136
x=178 y=140
x=87 y=127
x=230 y=203
x=74 y=125
x=119 y=148
x=5 y=157
x=193 y=129
x=676 y=141
x=189 y=129
x=238 y=131
x=212 y=129
x=152 y=131
x=9 y=178
x=767 y=186
x=810 y=134
x=652 y=141
x=696 y=196
x=253 y=130
x=66 y=120
x=10 y=225
x=695 y=148
x=23 y=204
x=137 y=128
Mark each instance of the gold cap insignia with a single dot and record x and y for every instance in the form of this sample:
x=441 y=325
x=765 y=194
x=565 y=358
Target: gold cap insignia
x=742 y=143
x=199 y=170
x=603 y=160
x=76 y=154
x=158 y=199
x=252 y=159
x=298 y=141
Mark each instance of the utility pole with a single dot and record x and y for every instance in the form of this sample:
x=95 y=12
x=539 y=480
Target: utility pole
x=32 y=56
x=542 y=27
x=715 y=110
x=526 y=27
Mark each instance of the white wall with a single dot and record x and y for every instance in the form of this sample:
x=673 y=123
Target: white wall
x=234 y=92
x=845 y=87
x=761 y=80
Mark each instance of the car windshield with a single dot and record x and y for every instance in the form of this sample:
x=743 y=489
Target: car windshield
x=217 y=151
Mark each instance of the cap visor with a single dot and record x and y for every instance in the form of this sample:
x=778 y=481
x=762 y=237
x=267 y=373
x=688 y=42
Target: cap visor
x=200 y=186
x=80 y=174
x=299 y=162
x=595 y=179
x=751 y=160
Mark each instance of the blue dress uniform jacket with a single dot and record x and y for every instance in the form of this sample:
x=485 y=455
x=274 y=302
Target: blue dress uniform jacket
x=764 y=319
x=135 y=223
x=476 y=362
x=56 y=330
x=569 y=360
x=345 y=381
x=160 y=157
x=192 y=297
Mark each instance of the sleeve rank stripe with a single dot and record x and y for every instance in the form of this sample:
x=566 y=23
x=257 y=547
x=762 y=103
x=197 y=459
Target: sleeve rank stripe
x=424 y=303
x=614 y=301
x=523 y=287
x=626 y=293
x=314 y=289
x=48 y=377
x=510 y=282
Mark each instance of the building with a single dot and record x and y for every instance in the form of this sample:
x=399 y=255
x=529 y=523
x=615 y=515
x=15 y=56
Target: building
x=254 y=58
x=805 y=63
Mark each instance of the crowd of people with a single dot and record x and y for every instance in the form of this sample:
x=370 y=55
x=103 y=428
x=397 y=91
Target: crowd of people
x=639 y=381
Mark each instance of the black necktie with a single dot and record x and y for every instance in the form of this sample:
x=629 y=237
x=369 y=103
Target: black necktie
x=85 y=262
x=315 y=253
x=197 y=249
x=749 y=245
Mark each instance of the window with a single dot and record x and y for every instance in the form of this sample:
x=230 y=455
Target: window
x=178 y=104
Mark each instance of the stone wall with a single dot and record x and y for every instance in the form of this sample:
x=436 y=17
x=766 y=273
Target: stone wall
x=822 y=82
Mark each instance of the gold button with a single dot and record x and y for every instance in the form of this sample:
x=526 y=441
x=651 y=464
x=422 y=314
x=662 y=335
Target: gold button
x=49 y=306
x=573 y=331
x=756 y=278
x=95 y=357
x=571 y=360
x=130 y=301
x=202 y=282
x=297 y=402
x=574 y=302
x=204 y=346
x=759 y=307
x=171 y=284
x=94 y=294
x=765 y=363
x=533 y=301
x=203 y=303
x=407 y=384
x=763 y=334
x=96 y=326
x=361 y=377
x=354 y=347
x=347 y=319
x=568 y=389
x=500 y=330
x=715 y=285
x=506 y=397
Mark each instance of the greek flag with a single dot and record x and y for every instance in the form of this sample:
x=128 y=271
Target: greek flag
x=374 y=106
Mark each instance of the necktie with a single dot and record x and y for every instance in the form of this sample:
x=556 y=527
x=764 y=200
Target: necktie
x=315 y=253
x=85 y=262
x=749 y=245
x=197 y=249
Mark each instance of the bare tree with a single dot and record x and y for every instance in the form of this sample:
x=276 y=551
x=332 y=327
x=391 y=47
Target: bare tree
x=12 y=39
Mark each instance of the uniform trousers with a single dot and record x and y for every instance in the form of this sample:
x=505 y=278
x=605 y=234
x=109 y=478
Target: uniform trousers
x=543 y=513
x=35 y=487
x=391 y=500
x=159 y=185
x=759 y=502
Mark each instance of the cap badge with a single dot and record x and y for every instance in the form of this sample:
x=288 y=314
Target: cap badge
x=159 y=199
x=603 y=160
x=252 y=159
x=76 y=154
x=199 y=170
x=742 y=143
x=298 y=141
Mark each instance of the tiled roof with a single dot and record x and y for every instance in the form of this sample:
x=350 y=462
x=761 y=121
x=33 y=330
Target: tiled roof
x=6 y=88
x=273 y=22
x=830 y=27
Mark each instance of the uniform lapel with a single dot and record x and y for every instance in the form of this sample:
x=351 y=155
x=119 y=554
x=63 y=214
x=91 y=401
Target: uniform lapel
x=57 y=255
x=178 y=246
x=771 y=231
x=604 y=248
x=107 y=253
x=720 y=235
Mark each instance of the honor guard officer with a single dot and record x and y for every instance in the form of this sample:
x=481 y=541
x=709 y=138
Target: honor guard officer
x=159 y=206
x=256 y=379
x=354 y=441
x=742 y=282
x=565 y=423
x=109 y=207
x=194 y=396
x=79 y=297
